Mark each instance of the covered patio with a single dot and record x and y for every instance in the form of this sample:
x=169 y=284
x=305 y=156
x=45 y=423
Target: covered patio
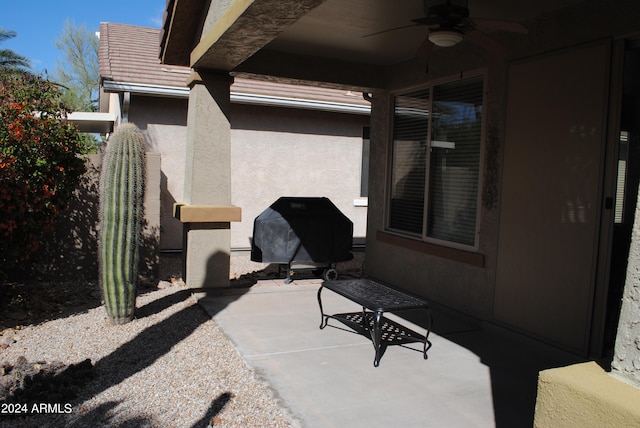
x=501 y=137
x=476 y=375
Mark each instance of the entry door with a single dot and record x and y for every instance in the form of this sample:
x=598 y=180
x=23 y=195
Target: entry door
x=550 y=203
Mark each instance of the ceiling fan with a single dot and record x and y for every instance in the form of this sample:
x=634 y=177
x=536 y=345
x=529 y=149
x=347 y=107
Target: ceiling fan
x=449 y=23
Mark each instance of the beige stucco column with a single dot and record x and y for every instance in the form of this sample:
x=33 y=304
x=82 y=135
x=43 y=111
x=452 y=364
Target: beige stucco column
x=206 y=212
x=626 y=360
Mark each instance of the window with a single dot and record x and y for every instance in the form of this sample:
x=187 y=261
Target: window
x=436 y=162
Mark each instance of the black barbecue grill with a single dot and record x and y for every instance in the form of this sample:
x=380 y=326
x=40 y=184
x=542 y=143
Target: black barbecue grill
x=303 y=233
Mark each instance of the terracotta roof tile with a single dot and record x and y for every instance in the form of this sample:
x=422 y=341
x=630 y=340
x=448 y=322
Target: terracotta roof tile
x=285 y=90
x=130 y=54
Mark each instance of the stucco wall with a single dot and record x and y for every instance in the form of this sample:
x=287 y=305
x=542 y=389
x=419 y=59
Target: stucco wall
x=163 y=122
x=626 y=362
x=284 y=152
x=275 y=152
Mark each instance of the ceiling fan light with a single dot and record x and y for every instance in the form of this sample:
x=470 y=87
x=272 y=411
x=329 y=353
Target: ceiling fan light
x=445 y=38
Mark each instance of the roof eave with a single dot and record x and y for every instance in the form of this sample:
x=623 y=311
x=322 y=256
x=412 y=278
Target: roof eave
x=240 y=98
x=180 y=28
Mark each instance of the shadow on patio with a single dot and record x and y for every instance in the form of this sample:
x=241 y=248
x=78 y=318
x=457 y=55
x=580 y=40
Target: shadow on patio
x=476 y=375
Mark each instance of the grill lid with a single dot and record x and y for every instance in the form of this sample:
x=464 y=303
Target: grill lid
x=302 y=229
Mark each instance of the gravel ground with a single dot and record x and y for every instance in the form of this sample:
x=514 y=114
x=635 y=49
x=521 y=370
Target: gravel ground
x=171 y=367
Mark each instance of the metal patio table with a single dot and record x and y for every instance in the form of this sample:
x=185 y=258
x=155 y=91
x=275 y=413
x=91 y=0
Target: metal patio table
x=376 y=299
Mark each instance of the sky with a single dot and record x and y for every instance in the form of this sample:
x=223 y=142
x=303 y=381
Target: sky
x=39 y=22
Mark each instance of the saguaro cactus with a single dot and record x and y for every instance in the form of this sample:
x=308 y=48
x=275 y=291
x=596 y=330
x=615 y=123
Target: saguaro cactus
x=121 y=211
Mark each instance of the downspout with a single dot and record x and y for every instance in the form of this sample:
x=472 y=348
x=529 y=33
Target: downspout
x=126 y=102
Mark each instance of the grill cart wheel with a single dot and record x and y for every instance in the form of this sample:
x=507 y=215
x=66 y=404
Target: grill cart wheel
x=330 y=274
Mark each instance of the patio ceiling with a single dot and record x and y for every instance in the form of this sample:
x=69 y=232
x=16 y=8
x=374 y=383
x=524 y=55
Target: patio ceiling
x=276 y=38
x=341 y=29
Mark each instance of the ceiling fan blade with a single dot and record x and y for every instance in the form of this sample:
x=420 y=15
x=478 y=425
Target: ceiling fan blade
x=492 y=24
x=390 y=30
x=430 y=20
x=486 y=42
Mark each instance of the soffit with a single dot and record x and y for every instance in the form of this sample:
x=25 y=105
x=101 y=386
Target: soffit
x=245 y=27
x=338 y=29
x=341 y=29
x=181 y=23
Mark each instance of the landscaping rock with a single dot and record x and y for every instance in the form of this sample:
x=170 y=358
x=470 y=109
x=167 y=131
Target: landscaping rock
x=42 y=382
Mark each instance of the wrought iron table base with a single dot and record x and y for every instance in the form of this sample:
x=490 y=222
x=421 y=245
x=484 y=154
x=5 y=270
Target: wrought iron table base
x=376 y=299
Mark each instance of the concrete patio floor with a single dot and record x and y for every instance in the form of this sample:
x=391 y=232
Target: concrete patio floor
x=476 y=375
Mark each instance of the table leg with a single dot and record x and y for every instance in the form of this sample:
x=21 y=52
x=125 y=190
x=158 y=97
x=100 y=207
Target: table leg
x=427 y=344
x=376 y=337
x=323 y=319
x=365 y=322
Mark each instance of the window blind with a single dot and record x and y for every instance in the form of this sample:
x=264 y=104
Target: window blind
x=411 y=122
x=455 y=161
x=453 y=156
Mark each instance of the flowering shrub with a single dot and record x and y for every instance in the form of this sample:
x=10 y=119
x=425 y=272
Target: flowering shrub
x=39 y=165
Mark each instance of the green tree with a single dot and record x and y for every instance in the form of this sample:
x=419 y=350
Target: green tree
x=78 y=71
x=9 y=60
x=39 y=164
